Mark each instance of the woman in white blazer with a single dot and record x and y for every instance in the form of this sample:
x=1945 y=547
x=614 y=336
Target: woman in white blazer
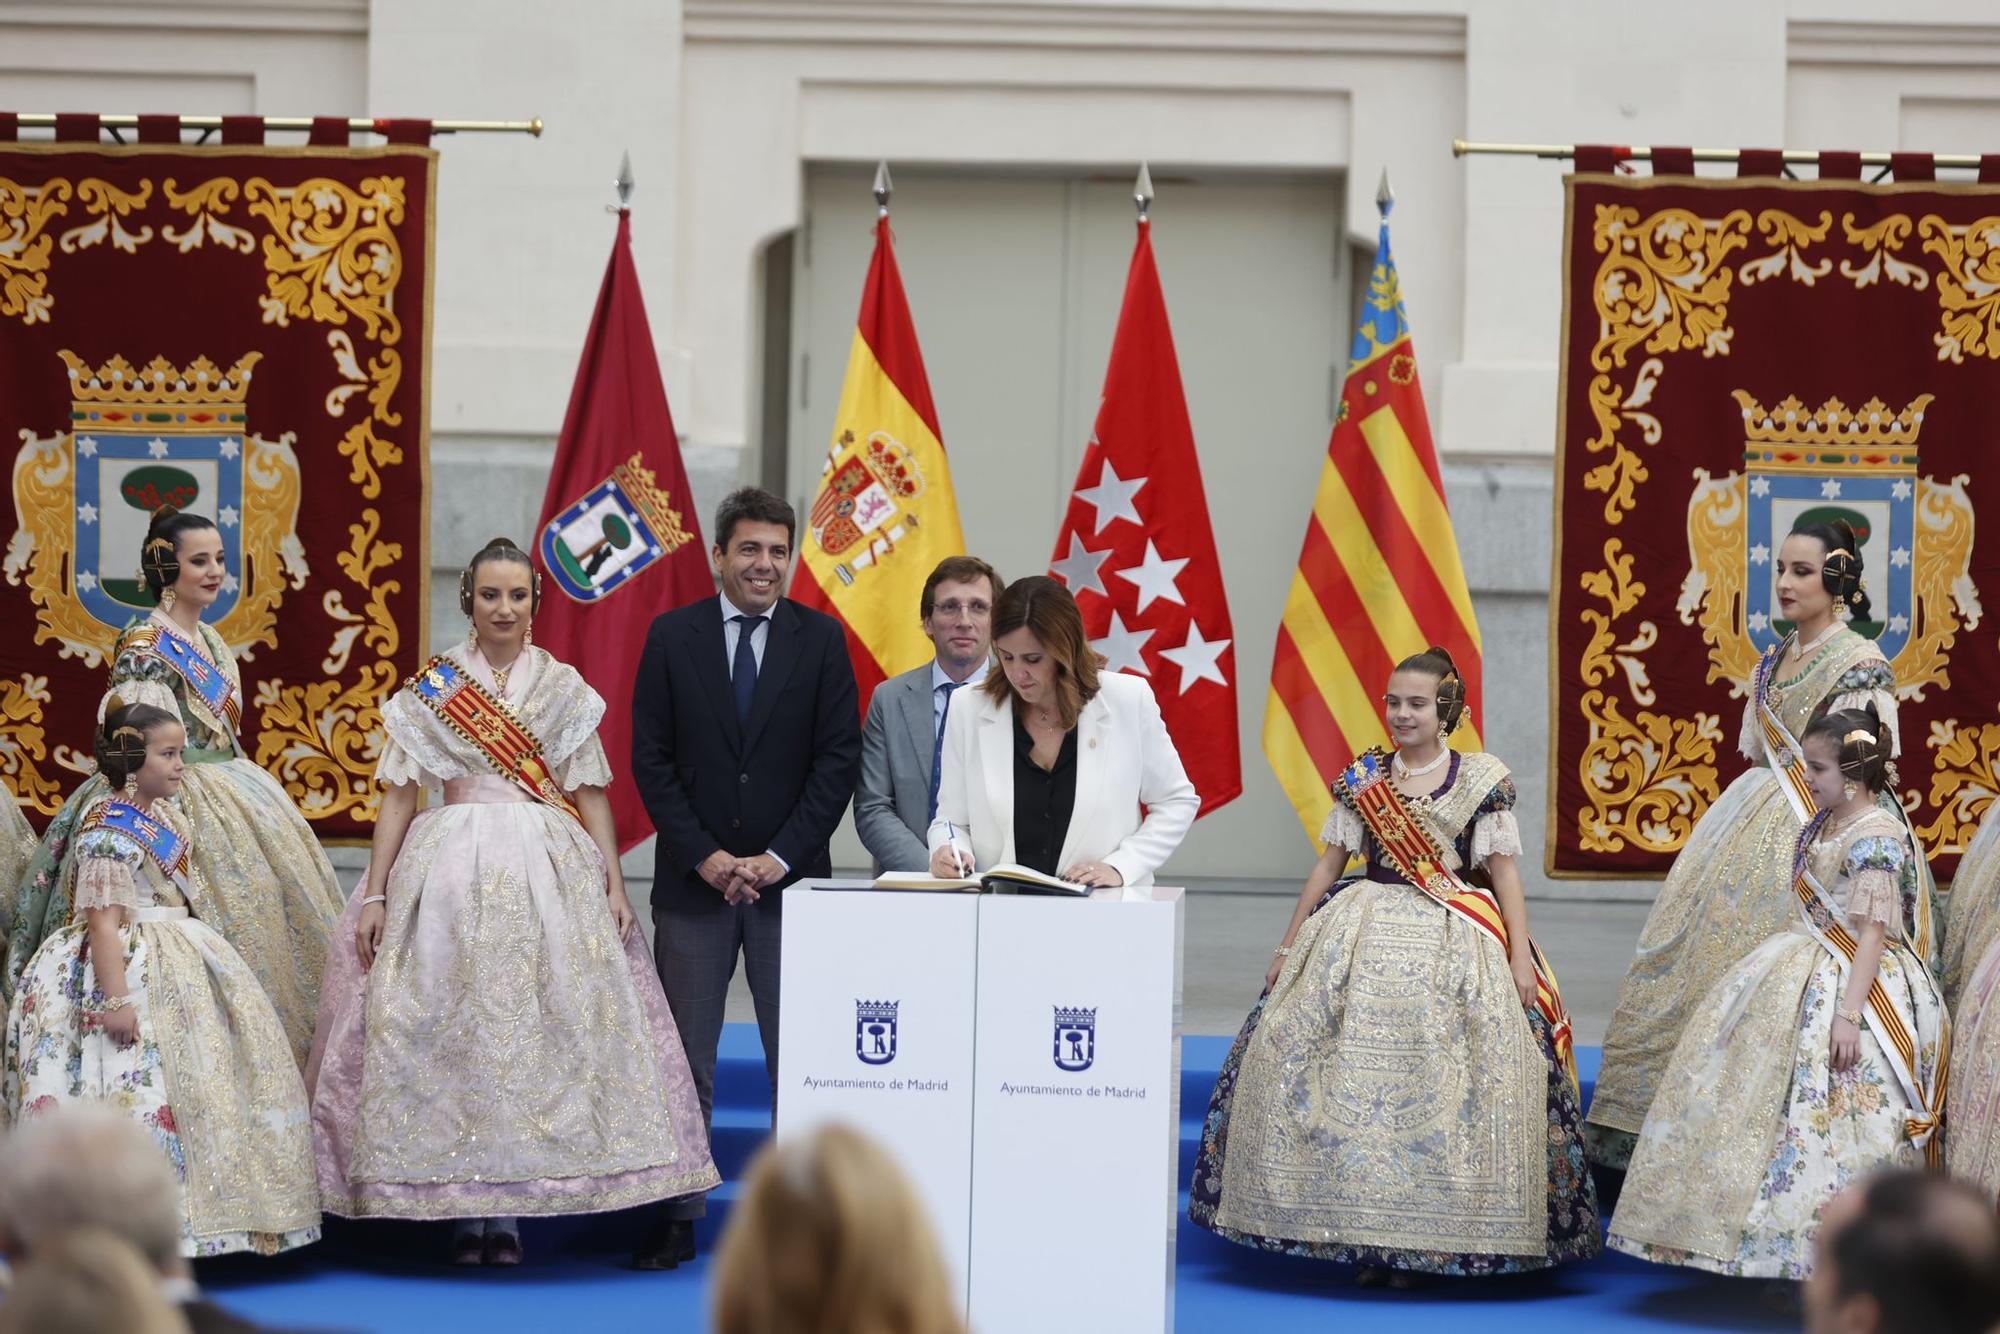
x=1047 y=763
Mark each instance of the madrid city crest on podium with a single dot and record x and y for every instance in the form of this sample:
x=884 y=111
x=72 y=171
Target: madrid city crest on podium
x=1076 y=1038
x=875 y=1031
x=1813 y=466
x=616 y=530
x=137 y=440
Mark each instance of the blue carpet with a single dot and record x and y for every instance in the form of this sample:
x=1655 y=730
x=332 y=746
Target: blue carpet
x=391 y=1277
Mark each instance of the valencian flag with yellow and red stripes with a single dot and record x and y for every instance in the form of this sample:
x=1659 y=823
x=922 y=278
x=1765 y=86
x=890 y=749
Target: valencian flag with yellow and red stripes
x=885 y=514
x=1379 y=576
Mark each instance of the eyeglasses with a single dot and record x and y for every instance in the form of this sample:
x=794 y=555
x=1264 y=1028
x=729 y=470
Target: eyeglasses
x=957 y=608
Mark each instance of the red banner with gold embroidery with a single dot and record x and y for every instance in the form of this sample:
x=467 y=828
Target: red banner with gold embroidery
x=1740 y=355
x=243 y=332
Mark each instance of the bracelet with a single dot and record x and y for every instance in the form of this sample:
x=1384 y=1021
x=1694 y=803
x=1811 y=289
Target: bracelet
x=1283 y=951
x=374 y=898
x=1851 y=1016
x=114 y=1004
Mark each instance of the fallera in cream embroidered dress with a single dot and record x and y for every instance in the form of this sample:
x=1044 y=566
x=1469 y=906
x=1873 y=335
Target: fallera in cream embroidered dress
x=261 y=877
x=507 y=1054
x=1390 y=1102
x=17 y=849
x=1729 y=889
x=211 y=1077
x=1972 y=990
x=1753 y=1131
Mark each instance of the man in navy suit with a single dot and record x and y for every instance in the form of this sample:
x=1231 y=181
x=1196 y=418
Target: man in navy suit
x=746 y=741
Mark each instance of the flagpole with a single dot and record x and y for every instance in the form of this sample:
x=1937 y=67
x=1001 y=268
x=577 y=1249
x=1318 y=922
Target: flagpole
x=884 y=187
x=624 y=183
x=1142 y=192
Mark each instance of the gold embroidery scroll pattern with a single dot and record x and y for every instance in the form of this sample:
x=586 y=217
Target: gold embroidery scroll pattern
x=332 y=257
x=1968 y=286
x=25 y=214
x=1965 y=778
x=45 y=504
x=1791 y=239
x=322 y=739
x=24 y=746
x=1648 y=778
x=1714 y=592
x=110 y=206
x=1941 y=585
x=205 y=205
x=1661 y=287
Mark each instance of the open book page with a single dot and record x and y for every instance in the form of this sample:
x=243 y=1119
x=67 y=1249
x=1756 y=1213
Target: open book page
x=922 y=880
x=1009 y=875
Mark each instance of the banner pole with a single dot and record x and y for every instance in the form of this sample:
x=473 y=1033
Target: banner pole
x=1644 y=153
x=46 y=120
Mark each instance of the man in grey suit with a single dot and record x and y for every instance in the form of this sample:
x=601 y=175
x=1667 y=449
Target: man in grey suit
x=897 y=794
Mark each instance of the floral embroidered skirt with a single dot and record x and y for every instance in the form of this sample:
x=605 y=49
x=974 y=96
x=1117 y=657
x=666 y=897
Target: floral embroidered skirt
x=507 y=1053
x=211 y=1077
x=259 y=873
x=1753 y=1131
x=1390 y=1103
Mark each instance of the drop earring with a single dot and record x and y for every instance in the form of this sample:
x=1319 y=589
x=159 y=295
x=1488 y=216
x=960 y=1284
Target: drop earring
x=471 y=634
x=528 y=636
x=167 y=599
x=1848 y=790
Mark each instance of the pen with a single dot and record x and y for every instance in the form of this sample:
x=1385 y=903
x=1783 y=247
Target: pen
x=951 y=838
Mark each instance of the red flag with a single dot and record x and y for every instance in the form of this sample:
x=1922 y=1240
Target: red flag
x=618 y=537
x=1136 y=548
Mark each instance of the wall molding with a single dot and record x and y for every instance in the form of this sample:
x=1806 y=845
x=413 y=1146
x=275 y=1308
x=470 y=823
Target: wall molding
x=346 y=17
x=1071 y=24
x=1832 y=42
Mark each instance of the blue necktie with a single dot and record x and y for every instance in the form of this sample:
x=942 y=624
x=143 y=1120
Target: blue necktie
x=743 y=671
x=937 y=744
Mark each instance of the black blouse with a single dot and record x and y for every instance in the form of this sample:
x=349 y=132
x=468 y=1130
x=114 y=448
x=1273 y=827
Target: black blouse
x=1043 y=801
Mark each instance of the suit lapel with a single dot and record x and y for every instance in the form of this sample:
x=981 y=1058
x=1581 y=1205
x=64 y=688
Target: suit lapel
x=781 y=657
x=996 y=762
x=919 y=716
x=1092 y=726
x=710 y=647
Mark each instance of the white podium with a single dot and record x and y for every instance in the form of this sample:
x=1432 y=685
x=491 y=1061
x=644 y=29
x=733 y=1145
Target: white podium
x=1020 y=1056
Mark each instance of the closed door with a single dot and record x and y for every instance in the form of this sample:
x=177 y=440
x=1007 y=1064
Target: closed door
x=1014 y=282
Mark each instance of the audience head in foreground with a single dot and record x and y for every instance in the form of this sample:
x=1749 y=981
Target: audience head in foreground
x=1905 y=1252
x=86 y=1280
x=88 y=1167
x=830 y=1239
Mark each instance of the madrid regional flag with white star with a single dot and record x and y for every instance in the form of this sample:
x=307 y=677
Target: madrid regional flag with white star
x=1137 y=550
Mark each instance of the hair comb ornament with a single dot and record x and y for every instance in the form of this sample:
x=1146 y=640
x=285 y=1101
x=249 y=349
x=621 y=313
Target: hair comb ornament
x=158 y=557
x=127 y=745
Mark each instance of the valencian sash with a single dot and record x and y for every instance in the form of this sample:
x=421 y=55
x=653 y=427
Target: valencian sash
x=1781 y=749
x=1894 y=1023
x=1411 y=848
x=204 y=679
x=162 y=846
x=467 y=709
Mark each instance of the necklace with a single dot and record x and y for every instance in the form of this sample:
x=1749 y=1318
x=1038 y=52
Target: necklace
x=1403 y=770
x=1801 y=649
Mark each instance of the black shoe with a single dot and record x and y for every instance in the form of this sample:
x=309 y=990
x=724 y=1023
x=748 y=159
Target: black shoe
x=669 y=1243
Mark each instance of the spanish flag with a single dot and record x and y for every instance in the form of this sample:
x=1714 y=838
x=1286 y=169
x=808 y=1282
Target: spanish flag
x=885 y=514
x=1379 y=576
